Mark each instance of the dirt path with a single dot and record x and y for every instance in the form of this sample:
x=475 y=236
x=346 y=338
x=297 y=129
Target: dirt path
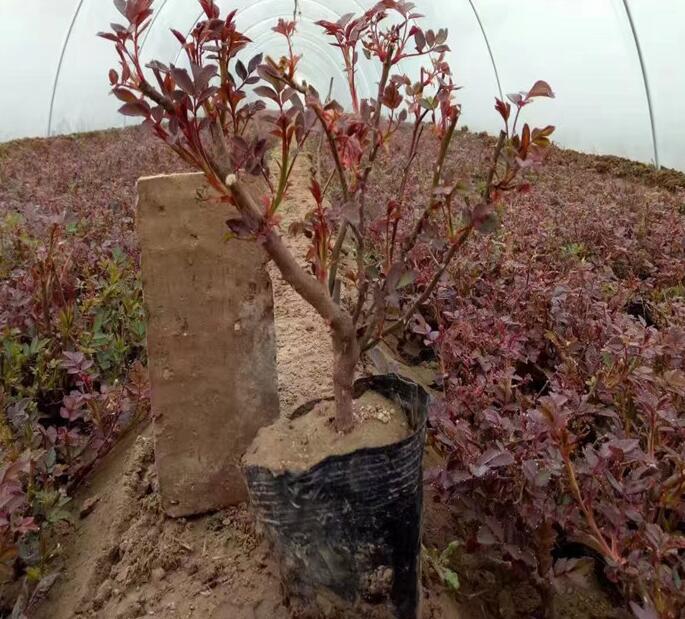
x=304 y=358
x=127 y=560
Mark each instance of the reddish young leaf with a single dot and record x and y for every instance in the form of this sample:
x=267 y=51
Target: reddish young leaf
x=138 y=108
x=284 y=27
x=516 y=98
x=124 y=95
x=420 y=39
x=540 y=89
x=210 y=8
x=179 y=37
x=109 y=36
x=503 y=108
x=183 y=80
x=392 y=97
x=240 y=229
x=265 y=91
x=122 y=7
x=315 y=190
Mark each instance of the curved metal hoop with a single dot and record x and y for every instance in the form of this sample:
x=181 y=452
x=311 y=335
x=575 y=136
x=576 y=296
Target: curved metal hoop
x=199 y=17
x=645 y=79
x=296 y=5
x=59 y=64
x=157 y=13
x=473 y=8
x=487 y=44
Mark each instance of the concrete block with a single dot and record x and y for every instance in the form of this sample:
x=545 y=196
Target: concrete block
x=211 y=343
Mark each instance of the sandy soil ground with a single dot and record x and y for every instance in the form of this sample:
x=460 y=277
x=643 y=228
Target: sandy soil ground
x=126 y=560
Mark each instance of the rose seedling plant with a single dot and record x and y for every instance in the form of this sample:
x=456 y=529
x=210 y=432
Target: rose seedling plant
x=225 y=113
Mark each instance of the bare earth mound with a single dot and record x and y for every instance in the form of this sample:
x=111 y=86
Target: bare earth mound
x=127 y=560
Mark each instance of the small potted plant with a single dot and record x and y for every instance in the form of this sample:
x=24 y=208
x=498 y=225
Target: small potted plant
x=338 y=484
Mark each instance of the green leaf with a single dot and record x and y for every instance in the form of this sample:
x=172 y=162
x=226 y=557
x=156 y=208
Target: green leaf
x=34 y=573
x=99 y=322
x=451 y=579
x=448 y=553
x=138 y=328
x=59 y=515
x=117 y=254
x=429 y=103
x=50 y=459
x=407 y=279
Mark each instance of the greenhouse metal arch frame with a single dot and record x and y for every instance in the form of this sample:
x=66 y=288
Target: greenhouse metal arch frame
x=613 y=57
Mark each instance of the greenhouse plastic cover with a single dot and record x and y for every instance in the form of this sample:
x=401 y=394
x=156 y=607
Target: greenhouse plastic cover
x=615 y=65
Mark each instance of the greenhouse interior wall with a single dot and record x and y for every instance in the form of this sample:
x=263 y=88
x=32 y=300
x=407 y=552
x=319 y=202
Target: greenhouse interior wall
x=614 y=64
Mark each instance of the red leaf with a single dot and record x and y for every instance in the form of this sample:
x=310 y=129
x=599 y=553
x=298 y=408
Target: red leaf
x=430 y=38
x=138 y=10
x=525 y=141
x=420 y=39
x=241 y=70
x=503 y=108
x=141 y=17
x=183 y=80
x=139 y=108
x=315 y=189
x=211 y=10
x=124 y=95
x=540 y=89
x=516 y=98
x=240 y=228
x=113 y=77
x=284 y=27
x=392 y=97
x=109 y=36
x=121 y=6
x=265 y=91
x=254 y=63
x=181 y=38
x=329 y=27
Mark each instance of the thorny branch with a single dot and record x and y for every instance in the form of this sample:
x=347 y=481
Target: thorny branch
x=213 y=116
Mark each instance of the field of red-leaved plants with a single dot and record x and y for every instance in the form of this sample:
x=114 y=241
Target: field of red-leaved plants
x=557 y=342
x=560 y=350
x=72 y=329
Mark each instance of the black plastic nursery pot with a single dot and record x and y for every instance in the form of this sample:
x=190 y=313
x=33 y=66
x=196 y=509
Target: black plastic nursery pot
x=347 y=532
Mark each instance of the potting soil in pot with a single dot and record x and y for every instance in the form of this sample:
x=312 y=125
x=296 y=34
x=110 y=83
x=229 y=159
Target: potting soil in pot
x=299 y=444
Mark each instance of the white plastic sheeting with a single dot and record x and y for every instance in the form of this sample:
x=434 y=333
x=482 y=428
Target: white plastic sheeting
x=55 y=69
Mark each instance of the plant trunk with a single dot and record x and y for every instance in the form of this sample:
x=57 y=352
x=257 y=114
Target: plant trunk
x=346 y=349
x=346 y=355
